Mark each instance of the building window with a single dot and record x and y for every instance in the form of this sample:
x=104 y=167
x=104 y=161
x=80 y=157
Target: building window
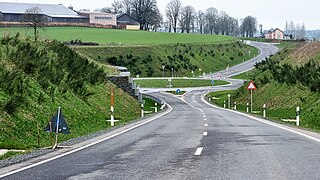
x=102 y=18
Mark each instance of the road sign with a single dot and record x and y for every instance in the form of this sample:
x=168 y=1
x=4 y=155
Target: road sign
x=178 y=91
x=212 y=82
x=251 y=86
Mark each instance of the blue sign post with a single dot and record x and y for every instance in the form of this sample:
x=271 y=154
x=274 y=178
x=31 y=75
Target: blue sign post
x=212 y=82
x=178 y=91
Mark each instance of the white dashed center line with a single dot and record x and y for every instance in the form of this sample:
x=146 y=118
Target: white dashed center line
x=205 y=134
x=205 y=125
x=199 y=151
x=205 y=119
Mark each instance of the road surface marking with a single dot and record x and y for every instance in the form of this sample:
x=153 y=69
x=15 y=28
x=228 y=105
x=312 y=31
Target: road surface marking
x=199 y=151
x=205 y=119
x=265 y=122
x=205 y=133
x=205 y=125
x=86 y=146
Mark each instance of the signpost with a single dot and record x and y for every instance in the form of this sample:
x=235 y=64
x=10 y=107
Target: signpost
x=178 y=91
x=251 y=87
x=58 y=125
x=212 y=82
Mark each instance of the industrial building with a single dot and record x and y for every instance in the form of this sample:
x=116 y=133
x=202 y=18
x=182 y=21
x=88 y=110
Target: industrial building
x=57 y=13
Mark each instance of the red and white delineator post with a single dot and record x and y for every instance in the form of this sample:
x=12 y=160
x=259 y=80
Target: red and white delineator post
x=112 y=120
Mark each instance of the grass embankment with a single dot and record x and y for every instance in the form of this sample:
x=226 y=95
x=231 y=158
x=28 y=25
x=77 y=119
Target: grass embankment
x=118 y=37
x=36 y=78
x=144 y=53
x=177 y=83
x=282 y=86
x=185 y=59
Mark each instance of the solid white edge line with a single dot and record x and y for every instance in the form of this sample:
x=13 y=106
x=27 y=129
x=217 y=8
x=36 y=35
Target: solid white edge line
x=86 y=146
x=199 y=151
x=261 y=120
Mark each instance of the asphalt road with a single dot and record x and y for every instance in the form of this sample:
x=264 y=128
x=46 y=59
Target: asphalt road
x=192 y=140
x=265 y=49
x=234 y=147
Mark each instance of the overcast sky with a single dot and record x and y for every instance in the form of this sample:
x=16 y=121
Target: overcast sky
x=270 y=13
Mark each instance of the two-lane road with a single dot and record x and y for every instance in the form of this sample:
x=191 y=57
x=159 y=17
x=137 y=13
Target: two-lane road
x=191 y=140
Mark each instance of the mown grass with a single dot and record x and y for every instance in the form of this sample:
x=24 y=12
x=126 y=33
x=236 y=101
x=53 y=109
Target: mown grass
x=118 y=37
x=177 y=83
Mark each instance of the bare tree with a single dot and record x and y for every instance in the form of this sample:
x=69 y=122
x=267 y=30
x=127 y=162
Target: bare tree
x=233 y=26
x=169 y=21
x=249 y=26
x=211 y=19
x=223 y=23
x=104 y=10
x=173 y=10
x=126 y=6
x=116 y=6
x=188 y=16
x=143 y=11
x=35 y=20
x=201 y=20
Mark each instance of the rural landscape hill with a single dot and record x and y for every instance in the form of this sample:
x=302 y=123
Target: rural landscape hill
x=37 y=77
x=288 y=79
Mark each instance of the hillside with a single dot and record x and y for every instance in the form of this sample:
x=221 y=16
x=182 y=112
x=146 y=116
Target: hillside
x=117 y=37
x=36 y=78
x=147 y=61
x=289 y=79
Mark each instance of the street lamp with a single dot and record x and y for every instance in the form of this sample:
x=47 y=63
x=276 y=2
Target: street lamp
x=172 y=71
x=163 y=70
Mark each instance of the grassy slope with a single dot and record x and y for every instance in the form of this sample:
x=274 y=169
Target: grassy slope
x=111 y=36
x=177 y=83
x=184 y=58
x=282 y=98
x=20 y=129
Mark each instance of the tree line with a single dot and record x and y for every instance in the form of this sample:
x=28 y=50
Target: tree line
x=183 y=19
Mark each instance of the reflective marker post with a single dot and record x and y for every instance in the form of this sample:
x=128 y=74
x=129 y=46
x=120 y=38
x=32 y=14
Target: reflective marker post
x=264 y=110
x=224 y=104
x=142 y=110
x=298 y=116
x=112 y=120
x=247 y=107
x=155 y=107
x=235 y=105
x=229 y=100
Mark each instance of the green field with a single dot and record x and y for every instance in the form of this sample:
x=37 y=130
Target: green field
x=177 y=83
x=117 y=37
